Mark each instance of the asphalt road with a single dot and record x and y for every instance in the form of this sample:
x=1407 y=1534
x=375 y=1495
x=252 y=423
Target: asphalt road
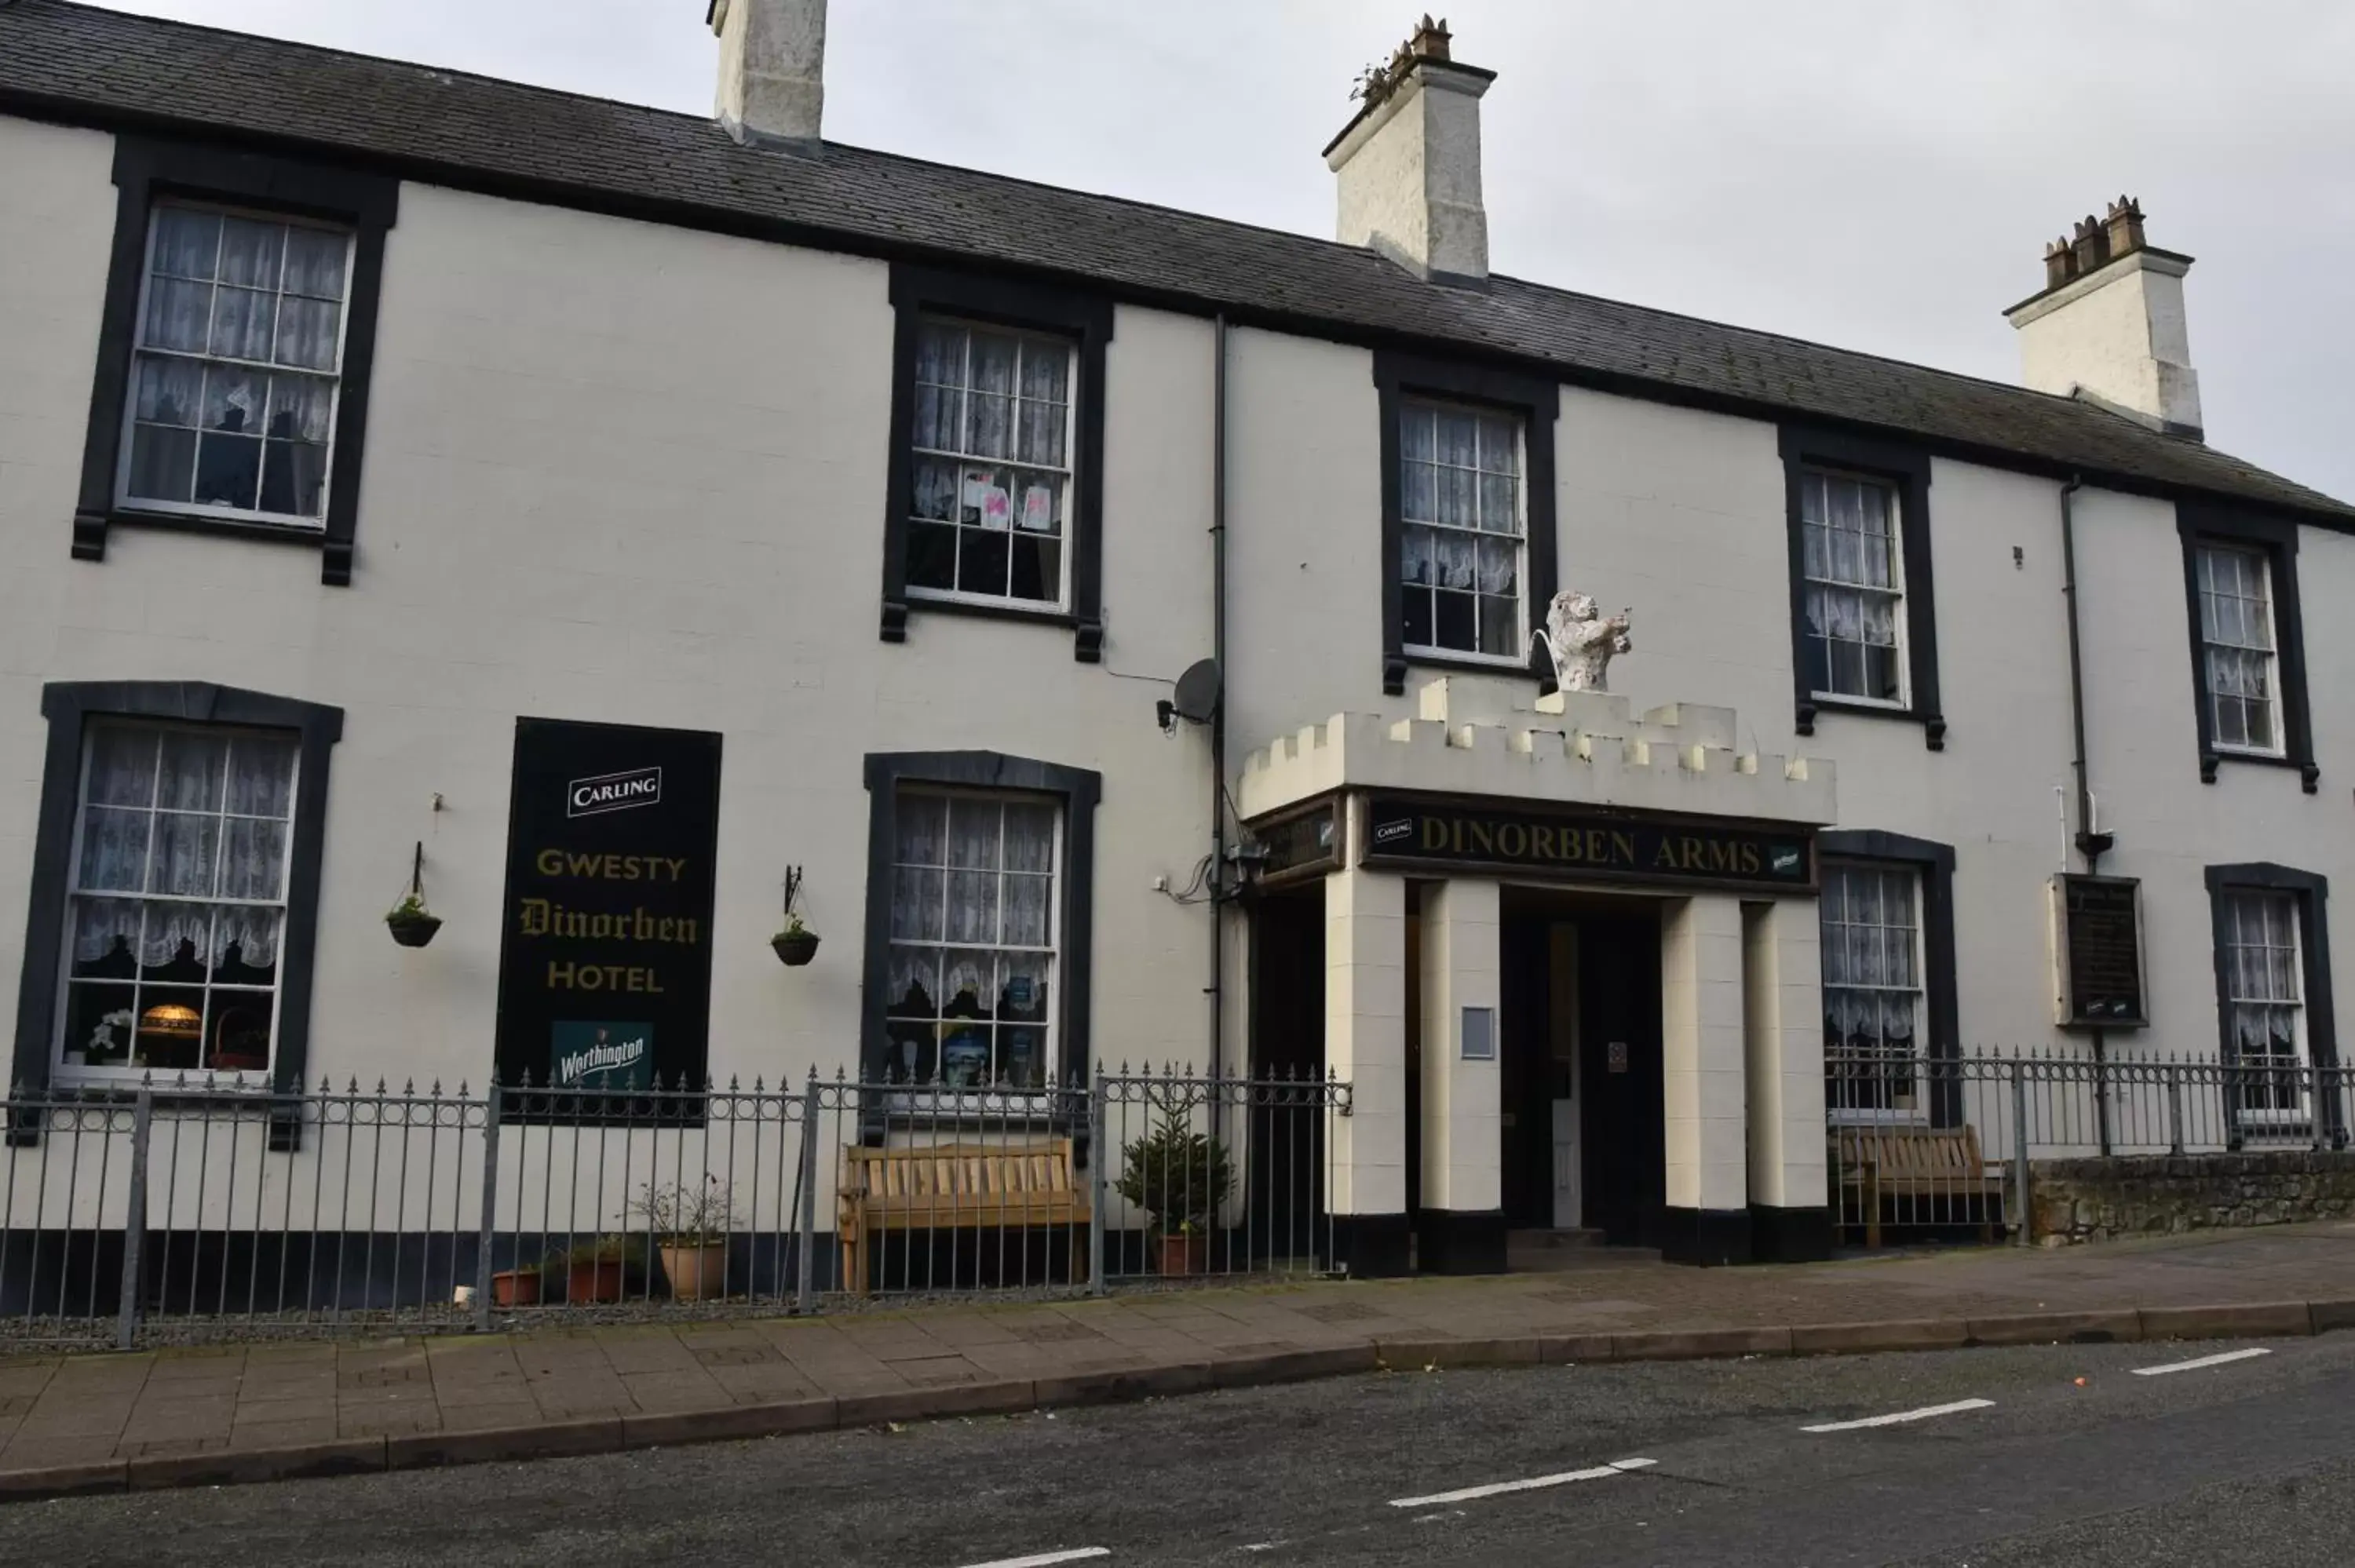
x=2248 y=1462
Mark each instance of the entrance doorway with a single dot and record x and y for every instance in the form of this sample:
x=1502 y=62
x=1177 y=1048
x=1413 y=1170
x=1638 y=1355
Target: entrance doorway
x=1284 y=1176
x=1580 y=1065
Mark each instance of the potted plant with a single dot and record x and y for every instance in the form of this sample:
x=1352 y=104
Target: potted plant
x=796 y=944
x=691 y=1226
x=411 y=924
x=518 y=1287
x=1180 y=1178
x=597 y=1269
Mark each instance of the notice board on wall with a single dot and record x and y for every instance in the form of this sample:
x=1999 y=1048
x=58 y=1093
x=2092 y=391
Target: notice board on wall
x=2097 y=951
x=606 y=953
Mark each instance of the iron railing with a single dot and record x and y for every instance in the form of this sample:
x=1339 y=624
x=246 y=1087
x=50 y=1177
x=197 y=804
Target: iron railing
x=183 y=1208
x=1951 y=1144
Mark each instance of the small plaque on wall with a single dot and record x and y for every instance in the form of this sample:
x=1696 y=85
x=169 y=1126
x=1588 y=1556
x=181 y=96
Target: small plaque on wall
x=2097 y=952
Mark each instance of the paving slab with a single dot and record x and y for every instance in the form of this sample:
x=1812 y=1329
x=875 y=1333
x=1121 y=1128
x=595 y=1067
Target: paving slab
x=320 y=1407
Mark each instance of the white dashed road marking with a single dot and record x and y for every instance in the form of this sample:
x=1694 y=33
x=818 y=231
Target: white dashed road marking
x=1499 y=1489
x=2202 y=1361
x=1048 y=1558
x=1901 y=1416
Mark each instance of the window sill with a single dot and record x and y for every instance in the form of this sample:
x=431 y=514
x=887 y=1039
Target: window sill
x=1087 y=649
x=1933 y=725
x=1397 y=665
x=2309 y=772
x=90 y=535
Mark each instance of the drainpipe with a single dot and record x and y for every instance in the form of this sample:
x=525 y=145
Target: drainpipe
x=1218 y=884
x=2090 y=844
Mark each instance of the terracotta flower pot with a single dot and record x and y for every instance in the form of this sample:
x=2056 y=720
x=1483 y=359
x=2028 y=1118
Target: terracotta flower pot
x=593 y=1279
x=796 y=948
x=412 y=930
x=696 y=1272
x=1184 y=1255
x=516 y=1287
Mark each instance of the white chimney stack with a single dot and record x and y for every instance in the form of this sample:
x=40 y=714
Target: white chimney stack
x=1409 y=164
x=771 y=69
x=2108 y=326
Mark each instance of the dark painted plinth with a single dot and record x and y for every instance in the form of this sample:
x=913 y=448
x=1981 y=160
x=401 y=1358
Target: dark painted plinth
x=1789 y=1235
x=1454 y=1241
x=1374 y=1247
x=1705 y=1236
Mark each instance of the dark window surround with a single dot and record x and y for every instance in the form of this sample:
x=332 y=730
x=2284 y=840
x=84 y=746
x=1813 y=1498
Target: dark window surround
x=69 y=707
x=1907 y=468
x=1935 y=863
x=1537 y=403
x=1079 y=789
x=2277 y=539
x=1084 y=318
x=2312 y=892
x=147 y=169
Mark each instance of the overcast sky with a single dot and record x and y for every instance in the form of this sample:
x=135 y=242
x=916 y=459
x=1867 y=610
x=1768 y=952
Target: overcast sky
x=1877 y=175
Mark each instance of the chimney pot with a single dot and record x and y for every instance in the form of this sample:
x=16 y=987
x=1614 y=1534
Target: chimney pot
x=1430 y=41
x=2124 y=224
x=2060 y=262
x=2093 y=245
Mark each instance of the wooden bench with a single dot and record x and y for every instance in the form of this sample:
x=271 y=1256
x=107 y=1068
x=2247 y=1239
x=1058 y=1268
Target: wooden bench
x=1899 y=1159
x=955 y=1186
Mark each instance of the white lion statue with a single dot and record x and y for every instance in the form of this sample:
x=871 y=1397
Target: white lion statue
x=1579 y=641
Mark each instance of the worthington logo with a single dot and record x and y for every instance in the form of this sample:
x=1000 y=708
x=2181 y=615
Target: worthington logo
x=614 y=793
x=602 y=1059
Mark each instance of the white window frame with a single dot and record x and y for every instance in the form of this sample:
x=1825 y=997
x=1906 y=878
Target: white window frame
x=1050 y=1027
x=2206 y=553
x=83 y=1073
x=291 y=521
x=2283 y=1119
x=1408 y=408
x=1064 y=535
x=1917 y=1114
x=1901 y=651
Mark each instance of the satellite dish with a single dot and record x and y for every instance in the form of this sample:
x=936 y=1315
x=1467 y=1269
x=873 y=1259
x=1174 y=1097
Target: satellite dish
x=1197 y=697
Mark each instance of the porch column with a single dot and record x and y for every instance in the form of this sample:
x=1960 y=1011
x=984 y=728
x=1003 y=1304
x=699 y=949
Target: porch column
x=1702 y=1072
x=1783 y=1021
x=1365 y=1046
x=1460 y=1226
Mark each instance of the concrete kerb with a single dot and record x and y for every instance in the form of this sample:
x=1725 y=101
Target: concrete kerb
x=611 y=1435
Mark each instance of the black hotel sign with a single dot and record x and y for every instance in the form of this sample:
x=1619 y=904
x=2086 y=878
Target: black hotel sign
x=1606 y=848
x=605 y=959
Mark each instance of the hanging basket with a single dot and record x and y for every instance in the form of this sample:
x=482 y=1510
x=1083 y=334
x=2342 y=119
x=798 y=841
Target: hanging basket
x=795 y=948
x=411 y=924
x=412 y=928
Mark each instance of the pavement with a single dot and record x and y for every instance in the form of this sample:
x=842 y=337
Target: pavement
x=257 y=1412
x=2046 y=1457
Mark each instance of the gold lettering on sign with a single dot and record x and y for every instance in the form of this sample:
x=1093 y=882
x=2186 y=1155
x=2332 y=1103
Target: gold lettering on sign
x=562 y=976
x=1542 y=843
x=610 y=867
x=1512 y=840
x=1622 y=846
x=539 y=918
x=1435 y=833
x=1484 y=842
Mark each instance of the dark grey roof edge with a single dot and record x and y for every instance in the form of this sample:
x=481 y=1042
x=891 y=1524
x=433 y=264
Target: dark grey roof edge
x=87 y=65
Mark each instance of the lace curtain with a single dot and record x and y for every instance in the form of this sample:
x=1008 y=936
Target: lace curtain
x=194 y=815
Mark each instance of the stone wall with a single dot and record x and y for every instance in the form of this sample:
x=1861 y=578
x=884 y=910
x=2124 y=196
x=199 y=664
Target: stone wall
x=2099 y=1200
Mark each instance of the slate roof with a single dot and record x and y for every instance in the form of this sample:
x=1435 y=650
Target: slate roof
x=80 y=63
